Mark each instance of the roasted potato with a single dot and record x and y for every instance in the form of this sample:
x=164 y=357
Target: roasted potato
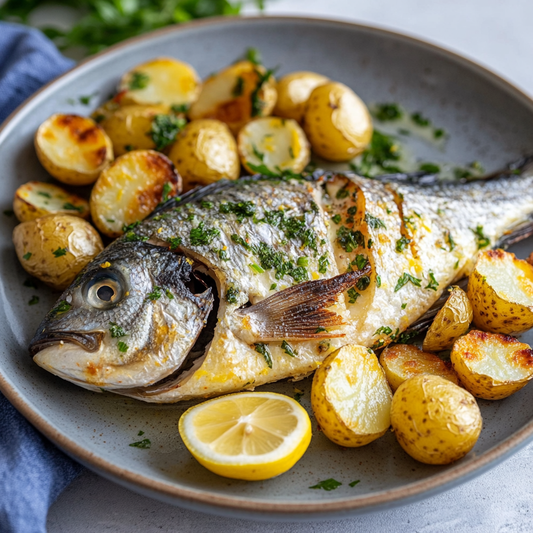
x=293 y=92
x=205 y=151
x=275 y=143
x=236 y=95
x=351 y=398
x=403 y=361
x=130 y=188
x=452 y=321
x=129 y=127
x=37 y=199
x=73 y=149
x=435 y=421
x=55 y=248
x=161 y=81
x=490 y=365
x=337 y=122
x=501 y=292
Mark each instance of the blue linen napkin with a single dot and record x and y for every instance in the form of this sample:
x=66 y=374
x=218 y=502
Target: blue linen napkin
x=32 y=470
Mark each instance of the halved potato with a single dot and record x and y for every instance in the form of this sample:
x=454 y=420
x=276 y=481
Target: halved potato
x=236 y=95
x=73 y=149
x=492 y=366
x=161 y=81
x=129 y=127
x=452 y=321
x=275 y=143
x=435 y=421
x=501 y=292
x=351 y=398
x=337 y=122
x=205 y=151
x=37 y=199
x=293 y=92
x=403 y=361
x=55 y=248
x=131 y=188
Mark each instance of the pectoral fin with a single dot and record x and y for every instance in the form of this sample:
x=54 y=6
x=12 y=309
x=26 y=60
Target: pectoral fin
x=297 y=313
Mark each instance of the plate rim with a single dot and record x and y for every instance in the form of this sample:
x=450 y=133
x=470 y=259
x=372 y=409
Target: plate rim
x=216 y=502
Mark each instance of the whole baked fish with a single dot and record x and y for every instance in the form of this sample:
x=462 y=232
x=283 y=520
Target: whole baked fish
x=247 y=282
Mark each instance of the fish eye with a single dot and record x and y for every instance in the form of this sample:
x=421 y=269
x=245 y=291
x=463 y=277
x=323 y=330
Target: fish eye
x=104 y=290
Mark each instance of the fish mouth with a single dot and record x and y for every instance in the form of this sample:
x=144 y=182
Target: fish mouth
x=90 y=342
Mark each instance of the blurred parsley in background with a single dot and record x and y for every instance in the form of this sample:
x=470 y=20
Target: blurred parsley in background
x=101 y=23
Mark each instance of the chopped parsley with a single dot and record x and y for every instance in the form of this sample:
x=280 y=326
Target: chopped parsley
x=420 y=120
x=256 y=268
x=207 y=205
x=430 y=168
x=131 y=236
x=342 y=193
x=320 y=329
x=239 y=240
x=169 y=294
x=72 y=207
x=295 y=228
x=404 y=305
x=287 y=348
x=482 y=240
x=264 y=351
x=433 y=284
x=378 y=281
x=27 y=255
x=383 y=330
x=164 y=130
x=239 y=87
x=62 y=307
x=360 y=261
x=86 y=100
x=273 y=286
x=231 y=295
x=374 y=222
x=174 y=242
x=363 y=283
x=144 y=444
x=438 y=133
x=253 y=55
x=354 y=483
x=387 y=112
x=34 y=300
x=327 y=484
x=155 y=294
x=59 y=252
x=138 y=80
x=140 y=434
x=350 y=240
x=122 y=347
x=31 y=283
x=352 y=295
x=302 y=261
x=352 y=210
x=241 y=210
x=129 y=227
x=299 y=274
x=401 y=244
x=116 y=330
x=45 y=194
x=323 y=263
x=336 y=218
x=257 y=102
x=449 y=240
x=167 y=189
x=200 y=236
x=179 y=108
x=314 y=207
x=298 y=396
x=379 y=158
x=406 y=278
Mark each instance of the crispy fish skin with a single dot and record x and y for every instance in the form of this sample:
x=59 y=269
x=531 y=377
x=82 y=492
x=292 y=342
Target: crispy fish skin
x=417 y=240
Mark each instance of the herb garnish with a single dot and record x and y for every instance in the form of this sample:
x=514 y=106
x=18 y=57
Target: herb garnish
x=327 y=484
x=62 y=307
x=350 y=240
x=354 y=483
x=302 y=261
x=59 y=252
x=320 y=329
x=256 y=268
x=352 y=295
x=130 y=236
x=287 y=348
x=257 y=103
x=431 y=168
x=207 y=205
x=239 y=87
x=138 y=80
x=31 y=283
x=144 y=444
x=449 y=240
x=363 y=283
x=164 y=130
x=360 y=261
x=433 y=284
x=273 y=286
x=174 y=242
x=379 y=157
x=122 y=347
x=27 y=255
x=482 y=240
x=239 y=240
x=336 y=218
x=241 y=210
x=200 y=236
x=253 y=55
x=116 y=330
x=386 y=112
x=231 y=295
x=374 y=222
x=406 y=278
x=343 y=193
x=34 y=300
x=420 y=120
x=155 y=294
x=45 y=194
x=264 y=351
x=323 y=263
x=167 y=189
x=401 y=244
x=383 y=330
x=72 y=207
x=298 y=396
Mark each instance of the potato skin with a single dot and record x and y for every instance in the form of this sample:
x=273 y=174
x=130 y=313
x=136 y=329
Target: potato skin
x=337 y=122
x=129 y=127
x=293 y=91
x=435 y=421
x=332 y=413
x=403 y=361
x=41 y=237
x=205 y=151
x=474 y=347
x=73 y=149
x=37 y=199
x=452 y=321
x=493 y=312
x=225 y=98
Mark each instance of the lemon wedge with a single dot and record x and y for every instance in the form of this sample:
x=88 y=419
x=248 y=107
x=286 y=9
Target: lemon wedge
x=248 y=435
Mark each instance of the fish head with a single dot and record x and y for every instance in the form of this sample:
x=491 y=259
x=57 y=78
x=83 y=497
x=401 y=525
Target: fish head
x=129 y=319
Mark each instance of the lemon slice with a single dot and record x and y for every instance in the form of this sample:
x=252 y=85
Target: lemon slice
x=249 y=435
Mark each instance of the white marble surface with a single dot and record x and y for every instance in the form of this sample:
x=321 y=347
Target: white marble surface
x=497 y=34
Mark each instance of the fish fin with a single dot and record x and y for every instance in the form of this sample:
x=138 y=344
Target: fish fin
x=299 y=312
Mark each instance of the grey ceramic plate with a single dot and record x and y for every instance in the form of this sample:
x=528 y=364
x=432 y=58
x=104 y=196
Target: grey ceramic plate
x=488 y=120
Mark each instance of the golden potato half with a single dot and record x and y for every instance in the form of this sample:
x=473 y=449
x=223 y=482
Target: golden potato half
x=129 y=127
x=337 y=122
x=403 y=361
x=55 y=248
x=435 y=421
x=205 y=151
x=351 y=398
x=293 y=92
x=236 y=95
x=452 y=321
x=501 y=292
x=37 y=199
x=275 y=143
x=73 y=149
x=492 y=366
x=131 y=188
x=161 y=81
